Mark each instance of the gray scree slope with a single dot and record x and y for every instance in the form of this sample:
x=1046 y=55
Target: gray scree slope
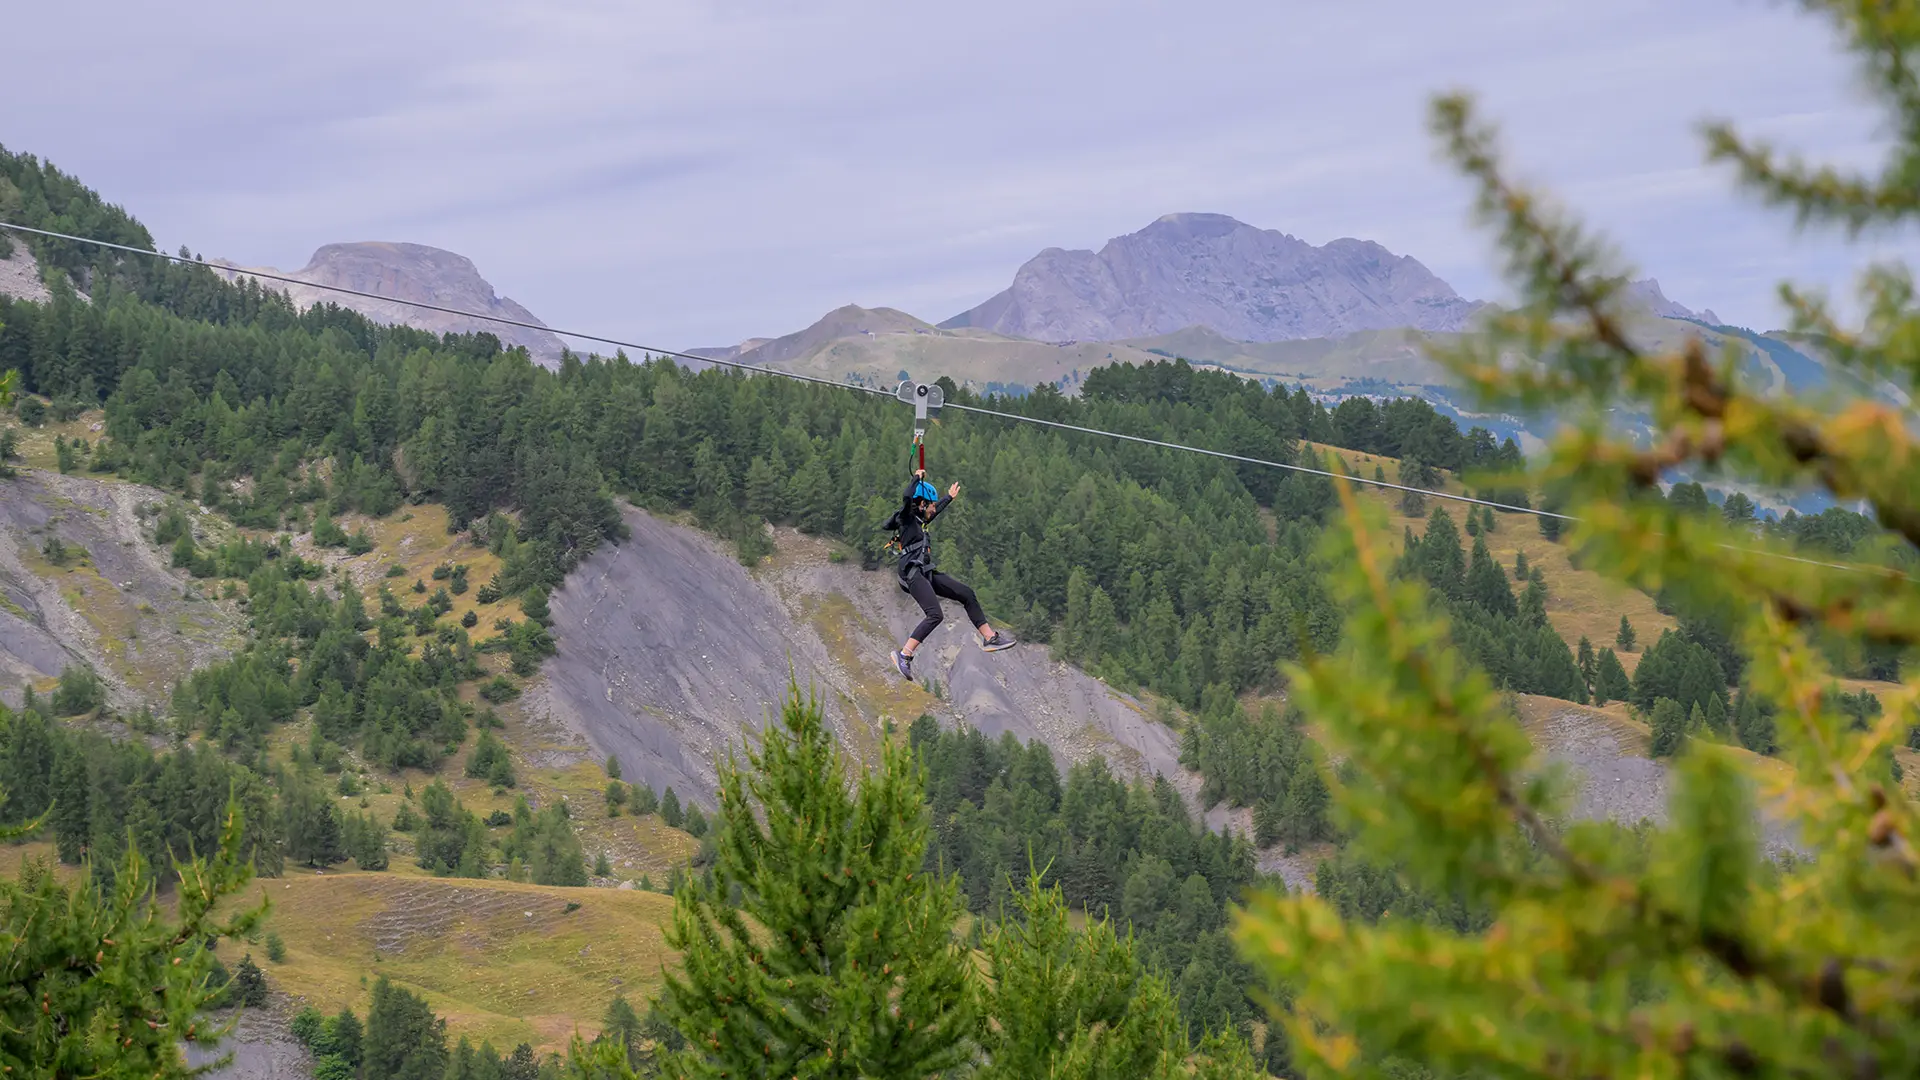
x=154 y=634
x=671 y=651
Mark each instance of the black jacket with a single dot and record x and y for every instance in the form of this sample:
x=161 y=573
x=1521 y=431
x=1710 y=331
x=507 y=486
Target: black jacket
x=911 y=532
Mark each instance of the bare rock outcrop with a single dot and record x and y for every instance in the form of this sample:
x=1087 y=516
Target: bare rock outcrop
x=20 y=272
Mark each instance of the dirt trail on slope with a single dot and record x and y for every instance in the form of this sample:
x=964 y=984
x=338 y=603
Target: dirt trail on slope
x=671 y=652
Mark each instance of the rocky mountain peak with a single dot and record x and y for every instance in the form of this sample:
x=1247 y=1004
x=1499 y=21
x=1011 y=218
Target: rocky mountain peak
x=1212 y=270
x=413 y=272
x=1646 y=293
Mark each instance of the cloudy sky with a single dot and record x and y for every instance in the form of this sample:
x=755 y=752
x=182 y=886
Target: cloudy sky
x=693 y=172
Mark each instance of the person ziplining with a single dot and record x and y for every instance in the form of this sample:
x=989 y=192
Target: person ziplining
x=920 y=503
x=927 y=585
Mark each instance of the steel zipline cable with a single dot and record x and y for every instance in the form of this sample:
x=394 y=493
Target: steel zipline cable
x=695 y=357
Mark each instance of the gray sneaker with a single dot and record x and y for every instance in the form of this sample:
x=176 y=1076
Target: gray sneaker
x=904 y=664
x=1000 y=640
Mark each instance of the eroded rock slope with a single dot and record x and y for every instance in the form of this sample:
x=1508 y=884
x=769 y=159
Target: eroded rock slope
x=671 y=652
x=105 y=596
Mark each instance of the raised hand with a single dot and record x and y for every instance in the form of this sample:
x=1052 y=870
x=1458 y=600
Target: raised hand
x=954 y=491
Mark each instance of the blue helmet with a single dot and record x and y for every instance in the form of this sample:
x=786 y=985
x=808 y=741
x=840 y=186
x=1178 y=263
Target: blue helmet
x=926 y=491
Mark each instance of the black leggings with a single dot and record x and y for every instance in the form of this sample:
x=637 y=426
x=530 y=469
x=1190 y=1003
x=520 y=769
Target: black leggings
x=928 y=588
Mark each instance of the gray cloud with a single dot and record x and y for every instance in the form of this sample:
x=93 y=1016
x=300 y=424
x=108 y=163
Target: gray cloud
x=689 y=172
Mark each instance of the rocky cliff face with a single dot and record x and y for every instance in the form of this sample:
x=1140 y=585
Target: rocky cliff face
x=412 y=272
x=1210 y=270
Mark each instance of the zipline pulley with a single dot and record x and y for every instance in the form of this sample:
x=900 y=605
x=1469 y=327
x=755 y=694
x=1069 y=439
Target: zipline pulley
x=926 y=399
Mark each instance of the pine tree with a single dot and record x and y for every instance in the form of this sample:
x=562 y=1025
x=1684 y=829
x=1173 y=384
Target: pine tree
x=670 y=811
x=1624 y=639
x=1669 y=723
x=1586 y=661
x=1716 y=717
x=1442 y=556
x=696 y=823
x=1738 y=509
x=1533 y=602
x=72 y=799
x=766 y=490
x=106 y=982
x=1610 y=681
x=249 y=985
x=1753 y=723
x=366 y=841
x=549 y=848
x=856 y=972
x=613 y=767
x=1519 y=566
x=312 y=826
x=521 y=1064
x=1303 y=814
x=1079 y=1004
x=621 y=1025
x=1486 y=583
x=344 y=1037
x=644 y=801
x=1677 y=949
x=404 y=1040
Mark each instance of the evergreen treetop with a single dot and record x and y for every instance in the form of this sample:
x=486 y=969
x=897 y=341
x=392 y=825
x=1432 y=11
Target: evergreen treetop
x=857 y=972
x=1065 y=1003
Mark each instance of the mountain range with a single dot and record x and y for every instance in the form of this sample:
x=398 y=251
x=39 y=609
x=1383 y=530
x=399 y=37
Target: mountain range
x=1204 y=287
